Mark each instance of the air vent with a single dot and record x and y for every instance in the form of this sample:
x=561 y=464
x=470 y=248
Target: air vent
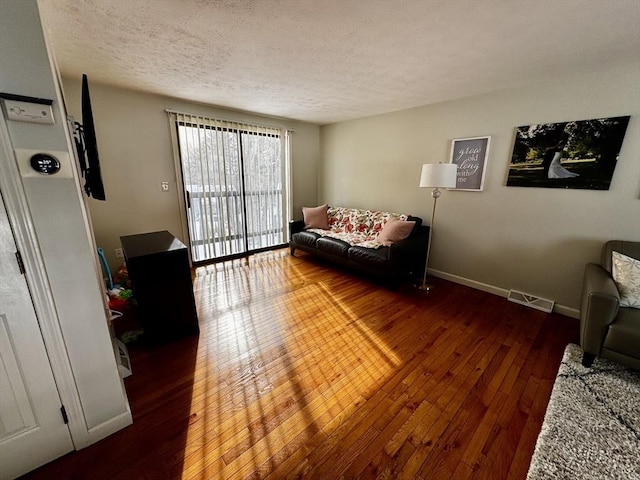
x=531 y=301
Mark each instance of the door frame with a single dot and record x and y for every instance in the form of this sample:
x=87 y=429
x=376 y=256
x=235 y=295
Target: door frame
x=182 y=204
x=43 y=302
x=287 y=186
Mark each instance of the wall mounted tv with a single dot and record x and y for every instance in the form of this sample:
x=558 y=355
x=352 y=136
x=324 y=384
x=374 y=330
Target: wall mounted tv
x=87 y=147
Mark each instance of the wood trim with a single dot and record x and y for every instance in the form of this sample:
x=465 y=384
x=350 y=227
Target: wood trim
x=38 y=281
x=109 y=427
x=184 y=223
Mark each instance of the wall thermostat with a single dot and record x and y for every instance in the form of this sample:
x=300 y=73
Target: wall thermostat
x=45 y=164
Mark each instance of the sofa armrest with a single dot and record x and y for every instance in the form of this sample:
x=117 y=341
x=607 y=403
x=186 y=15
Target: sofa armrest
x=411 y=253
x=599 y=307
x=295 y=226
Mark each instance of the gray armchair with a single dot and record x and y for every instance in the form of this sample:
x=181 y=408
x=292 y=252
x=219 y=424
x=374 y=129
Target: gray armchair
x=606 y=329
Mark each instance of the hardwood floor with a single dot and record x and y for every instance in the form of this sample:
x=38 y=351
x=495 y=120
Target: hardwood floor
x=304 y=371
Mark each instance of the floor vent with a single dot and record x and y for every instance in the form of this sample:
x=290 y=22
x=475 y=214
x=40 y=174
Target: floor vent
x=531 y=301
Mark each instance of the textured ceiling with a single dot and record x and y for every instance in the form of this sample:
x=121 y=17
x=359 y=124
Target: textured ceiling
x=325 y=61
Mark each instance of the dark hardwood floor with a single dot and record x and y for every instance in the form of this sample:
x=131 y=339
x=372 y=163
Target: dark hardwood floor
x=304 y=371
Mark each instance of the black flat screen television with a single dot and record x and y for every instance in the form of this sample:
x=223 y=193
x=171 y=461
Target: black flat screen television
x=87 y=147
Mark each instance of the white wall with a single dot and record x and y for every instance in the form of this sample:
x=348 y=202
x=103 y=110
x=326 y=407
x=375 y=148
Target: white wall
x=59 y=217
x=531 y=239
x=136 y=155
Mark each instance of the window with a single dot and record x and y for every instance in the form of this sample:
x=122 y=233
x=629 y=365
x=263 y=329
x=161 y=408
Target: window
x=235 y=179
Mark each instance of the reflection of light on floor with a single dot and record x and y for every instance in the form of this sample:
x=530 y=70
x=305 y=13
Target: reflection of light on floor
x=281 y=357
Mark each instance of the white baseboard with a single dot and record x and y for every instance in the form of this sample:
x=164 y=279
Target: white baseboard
x=110 y=426
x=501 y=292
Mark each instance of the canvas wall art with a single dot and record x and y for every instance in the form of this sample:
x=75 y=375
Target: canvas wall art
x=580 y=154
x=470 y=154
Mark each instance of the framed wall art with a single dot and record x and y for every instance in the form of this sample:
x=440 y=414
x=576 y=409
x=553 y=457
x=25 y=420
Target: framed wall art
x=470 y=154
x=579 y=154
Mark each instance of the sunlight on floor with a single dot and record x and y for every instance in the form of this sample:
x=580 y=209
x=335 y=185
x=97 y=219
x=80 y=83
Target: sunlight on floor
x=288 y=365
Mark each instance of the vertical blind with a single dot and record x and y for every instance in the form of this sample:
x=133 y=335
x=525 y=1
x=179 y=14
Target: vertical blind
x=235 y=181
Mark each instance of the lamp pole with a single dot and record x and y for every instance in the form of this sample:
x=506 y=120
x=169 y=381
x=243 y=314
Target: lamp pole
x=435 y=194
x=436 y=176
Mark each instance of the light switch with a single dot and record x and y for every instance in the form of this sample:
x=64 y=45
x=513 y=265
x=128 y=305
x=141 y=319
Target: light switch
x=165 y=186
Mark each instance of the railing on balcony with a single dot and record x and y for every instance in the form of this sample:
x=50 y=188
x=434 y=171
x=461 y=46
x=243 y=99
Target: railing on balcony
x=218 y=227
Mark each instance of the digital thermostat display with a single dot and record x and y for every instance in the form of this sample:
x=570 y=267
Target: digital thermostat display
x=45 y=164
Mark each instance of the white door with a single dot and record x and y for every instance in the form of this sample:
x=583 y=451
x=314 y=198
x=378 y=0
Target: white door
x=32 y=428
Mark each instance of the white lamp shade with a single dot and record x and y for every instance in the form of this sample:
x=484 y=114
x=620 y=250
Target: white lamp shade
x=438 y=175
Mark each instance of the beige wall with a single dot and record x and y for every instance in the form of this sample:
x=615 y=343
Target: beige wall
x=530 y=239
x=135 y=150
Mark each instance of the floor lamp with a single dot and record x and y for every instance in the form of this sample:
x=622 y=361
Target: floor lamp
x=435 y=175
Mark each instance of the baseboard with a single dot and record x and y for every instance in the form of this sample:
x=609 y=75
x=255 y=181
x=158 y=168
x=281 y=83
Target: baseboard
x=568 y=311
x=485 y=287
x=501 y=292
x=110 y=426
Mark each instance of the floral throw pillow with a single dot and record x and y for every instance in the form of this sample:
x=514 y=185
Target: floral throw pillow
x=626 y=274
x=335 y=215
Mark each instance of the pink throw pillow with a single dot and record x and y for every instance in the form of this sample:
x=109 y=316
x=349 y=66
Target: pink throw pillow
x=316 y=217
x=394 y=231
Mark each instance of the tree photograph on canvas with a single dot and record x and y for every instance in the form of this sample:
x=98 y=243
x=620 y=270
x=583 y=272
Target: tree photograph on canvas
x=580 y=154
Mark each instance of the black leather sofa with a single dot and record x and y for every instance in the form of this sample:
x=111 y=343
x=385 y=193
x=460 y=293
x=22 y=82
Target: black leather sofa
x=390 y=264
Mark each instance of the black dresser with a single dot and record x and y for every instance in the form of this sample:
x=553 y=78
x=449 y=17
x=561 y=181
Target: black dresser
x=158 y=265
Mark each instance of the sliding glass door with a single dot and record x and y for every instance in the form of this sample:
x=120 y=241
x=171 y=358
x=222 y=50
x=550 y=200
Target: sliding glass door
x=235 y=185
